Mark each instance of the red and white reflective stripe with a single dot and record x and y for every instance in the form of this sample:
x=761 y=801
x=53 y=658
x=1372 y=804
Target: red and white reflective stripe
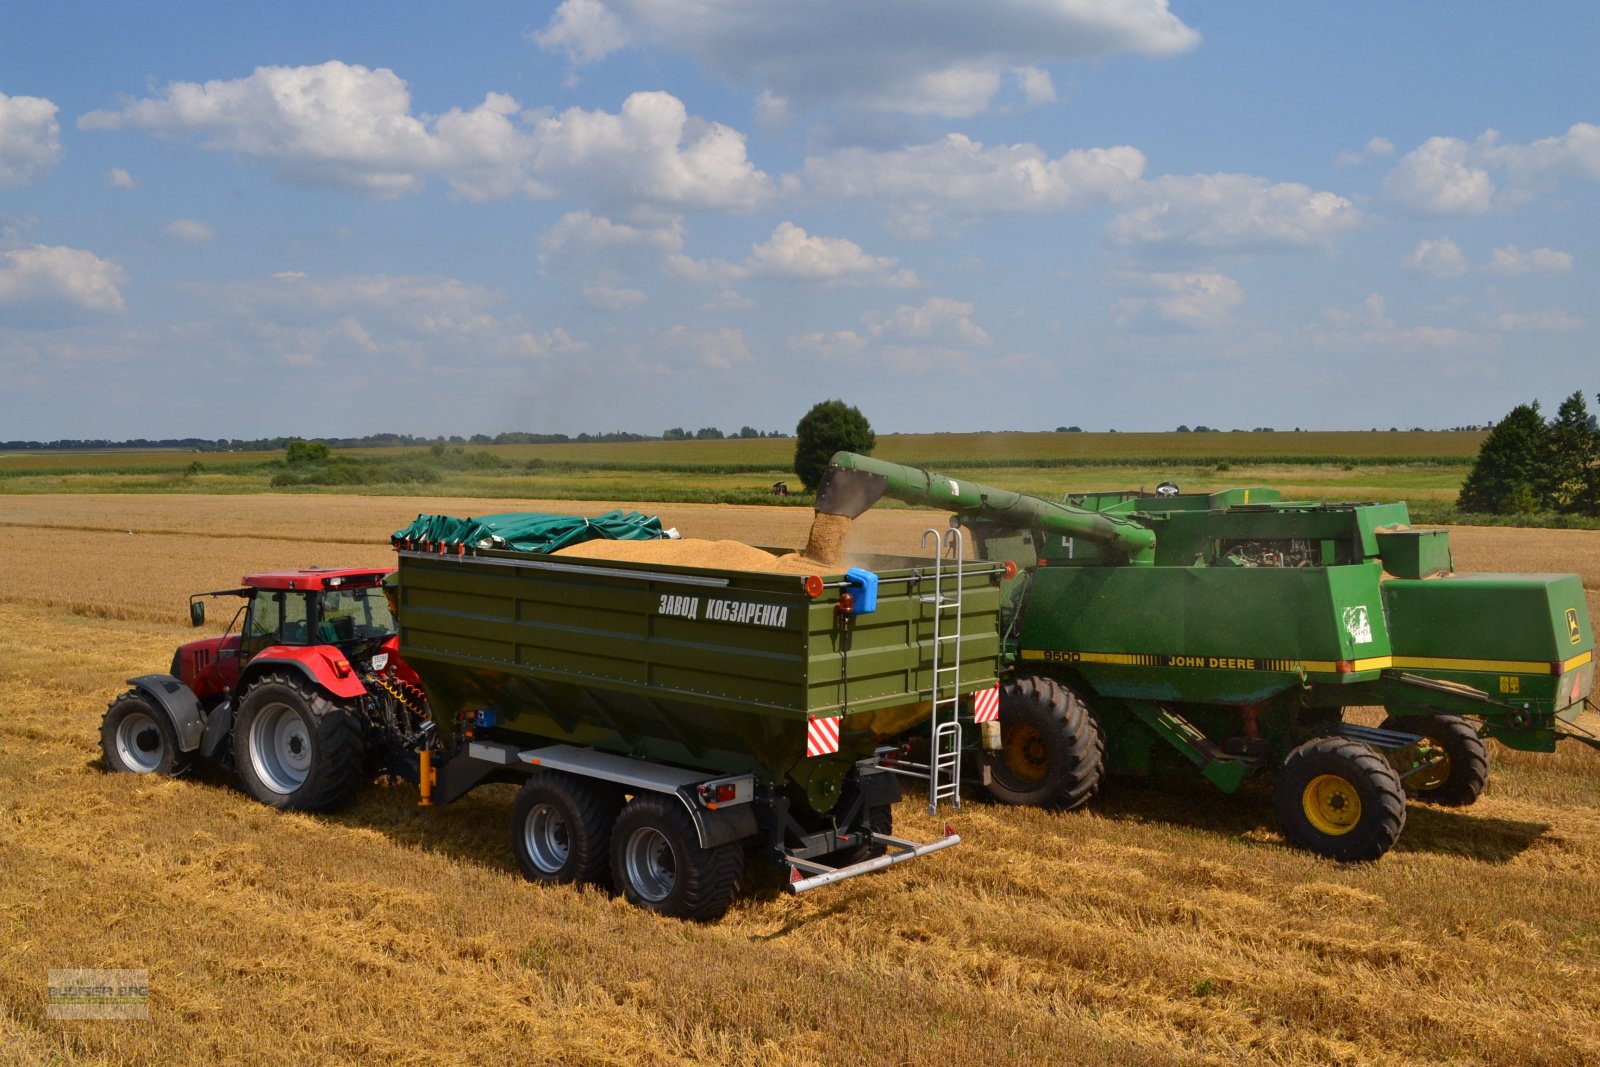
x=822 y=736
x=986 y=705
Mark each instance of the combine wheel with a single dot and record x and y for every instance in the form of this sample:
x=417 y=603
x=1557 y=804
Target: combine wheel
x=137 y=737
x=1052 y=754
x=561 y=828
x=294 y=747
x=658 y=863
x=1460 y=778
x=1340 y=799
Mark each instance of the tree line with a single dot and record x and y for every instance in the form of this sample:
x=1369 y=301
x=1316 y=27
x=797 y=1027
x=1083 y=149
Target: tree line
x=1529 y=464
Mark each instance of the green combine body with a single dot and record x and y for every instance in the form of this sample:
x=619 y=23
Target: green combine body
x=1231 y=635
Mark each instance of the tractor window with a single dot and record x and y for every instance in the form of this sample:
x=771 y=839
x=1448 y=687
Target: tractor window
x=275 y=618
x=355 y=615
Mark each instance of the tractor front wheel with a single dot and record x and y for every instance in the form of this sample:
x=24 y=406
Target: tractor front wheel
x=1339 y=798
x=295 y=748
x=136 y=737
x=658 y=863
x=1460 y=777
x=1052 y=754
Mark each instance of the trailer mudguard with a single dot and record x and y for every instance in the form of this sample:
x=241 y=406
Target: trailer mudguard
x=722 y=826
x=322 y=665
x=179 y=703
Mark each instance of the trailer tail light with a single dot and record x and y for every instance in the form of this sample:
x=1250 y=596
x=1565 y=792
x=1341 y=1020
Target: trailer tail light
x=718 y=793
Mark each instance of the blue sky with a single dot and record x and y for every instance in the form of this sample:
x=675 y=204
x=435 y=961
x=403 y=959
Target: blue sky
x=633 y=214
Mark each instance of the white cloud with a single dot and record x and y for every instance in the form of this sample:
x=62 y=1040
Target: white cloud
x=30 y=139
x=1438 y=259
x=729 y=299
x=1237 y=212
x=340 y=126
x=942 y=57
x=43 y=286
x=1036 y=85
x=938 y=319
x=1512 y=260
x=650 y=154
x=1197 y=301
x=1376 y=148
x=718 y=349
x=959 y=176
x=1370 y=328
x=792 y=253
x=1550 y=320
x=608 y=298
x=1440 y=178
x=828 y=345
x=189 y=231
x=1575 y=153
x=117 y=178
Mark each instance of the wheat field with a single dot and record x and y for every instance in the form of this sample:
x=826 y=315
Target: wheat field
x=1161 y=926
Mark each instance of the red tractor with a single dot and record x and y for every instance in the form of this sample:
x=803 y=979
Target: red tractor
x=311 y=692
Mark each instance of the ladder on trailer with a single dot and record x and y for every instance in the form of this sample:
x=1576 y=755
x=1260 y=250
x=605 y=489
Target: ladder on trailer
x=944 y=726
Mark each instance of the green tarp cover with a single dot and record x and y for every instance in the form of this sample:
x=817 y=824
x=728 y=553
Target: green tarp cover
x=528 y=531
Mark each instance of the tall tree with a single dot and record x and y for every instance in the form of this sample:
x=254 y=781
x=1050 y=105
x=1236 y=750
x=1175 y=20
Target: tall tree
x=1572 y=450
x=1508 y=473
x=829 y=427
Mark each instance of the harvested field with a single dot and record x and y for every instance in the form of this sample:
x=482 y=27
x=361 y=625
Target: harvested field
x=1162 y=926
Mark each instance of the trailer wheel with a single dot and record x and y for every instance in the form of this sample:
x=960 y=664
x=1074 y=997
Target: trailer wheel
x=561 y=828
x=295 y=748
x=1052 y=754
x=658 y=863
x=1339 y=798
x=1461 y=777
x=137 y=737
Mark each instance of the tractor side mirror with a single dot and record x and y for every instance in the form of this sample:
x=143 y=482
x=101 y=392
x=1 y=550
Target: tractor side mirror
x=197 y=613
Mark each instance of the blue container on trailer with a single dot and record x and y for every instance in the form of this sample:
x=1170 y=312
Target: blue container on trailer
x=864 y=587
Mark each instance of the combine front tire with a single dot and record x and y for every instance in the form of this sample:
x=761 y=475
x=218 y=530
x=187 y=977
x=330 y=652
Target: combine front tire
x=1459 y=779
x=561 y=828
x=658 y=863
x=295 y=748
x=1052 y=754
x=1339 y=798
x=137 y=737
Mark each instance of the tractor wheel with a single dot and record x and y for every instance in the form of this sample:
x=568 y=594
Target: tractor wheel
x=1052 y=754
x=880 y=818
x=137 y=737
x=295 y=748
x=561 y=828
x=1340 y=799
x=1460 y=778
x=657 y=861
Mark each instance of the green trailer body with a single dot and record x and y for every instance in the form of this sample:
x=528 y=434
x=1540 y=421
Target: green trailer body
x=718 y=670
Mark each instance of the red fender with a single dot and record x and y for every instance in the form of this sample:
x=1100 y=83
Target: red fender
x=402 y=669
x=323 y=665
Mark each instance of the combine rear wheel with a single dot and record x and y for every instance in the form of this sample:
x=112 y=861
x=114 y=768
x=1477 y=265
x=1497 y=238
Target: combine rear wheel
x=1052 y=754
x=294 y=747
x=1339 y=798
x=658 y=863
x=561 y=828
x=137 y=737
x=1460 y=778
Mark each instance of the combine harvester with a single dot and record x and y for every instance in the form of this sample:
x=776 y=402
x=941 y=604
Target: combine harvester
x=662 y=721
x=1229 y=632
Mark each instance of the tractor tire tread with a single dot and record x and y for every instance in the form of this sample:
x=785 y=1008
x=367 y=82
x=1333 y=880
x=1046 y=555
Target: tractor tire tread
x=1075 y=774
x=340 y=740
x=180 y=763
x=1469 y=757
x=1383 y=805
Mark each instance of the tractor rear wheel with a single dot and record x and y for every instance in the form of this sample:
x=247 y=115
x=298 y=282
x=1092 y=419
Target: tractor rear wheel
x=1460 y=778
x=657 y=861
x=294 y=747
x=1052 y=754
x=137 y=737
x=1339 y=798
x=561 y=828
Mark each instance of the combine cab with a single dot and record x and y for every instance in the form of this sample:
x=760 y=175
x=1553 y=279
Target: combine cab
x=307 y=699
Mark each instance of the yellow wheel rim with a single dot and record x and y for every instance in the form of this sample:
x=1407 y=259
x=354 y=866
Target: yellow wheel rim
x=1433 y=777
x=1331 y=804
x=1022 y=748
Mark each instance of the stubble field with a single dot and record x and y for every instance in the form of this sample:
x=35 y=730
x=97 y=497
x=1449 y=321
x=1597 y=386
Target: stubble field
x=1160 y=926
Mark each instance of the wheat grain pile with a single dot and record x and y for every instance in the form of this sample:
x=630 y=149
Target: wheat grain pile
x=824 y=551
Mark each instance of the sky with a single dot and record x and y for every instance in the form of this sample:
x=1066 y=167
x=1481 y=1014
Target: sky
x=236 y=221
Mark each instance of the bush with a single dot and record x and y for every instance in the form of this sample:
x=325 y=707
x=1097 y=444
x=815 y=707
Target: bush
x=302 y=452
x=829 y=427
